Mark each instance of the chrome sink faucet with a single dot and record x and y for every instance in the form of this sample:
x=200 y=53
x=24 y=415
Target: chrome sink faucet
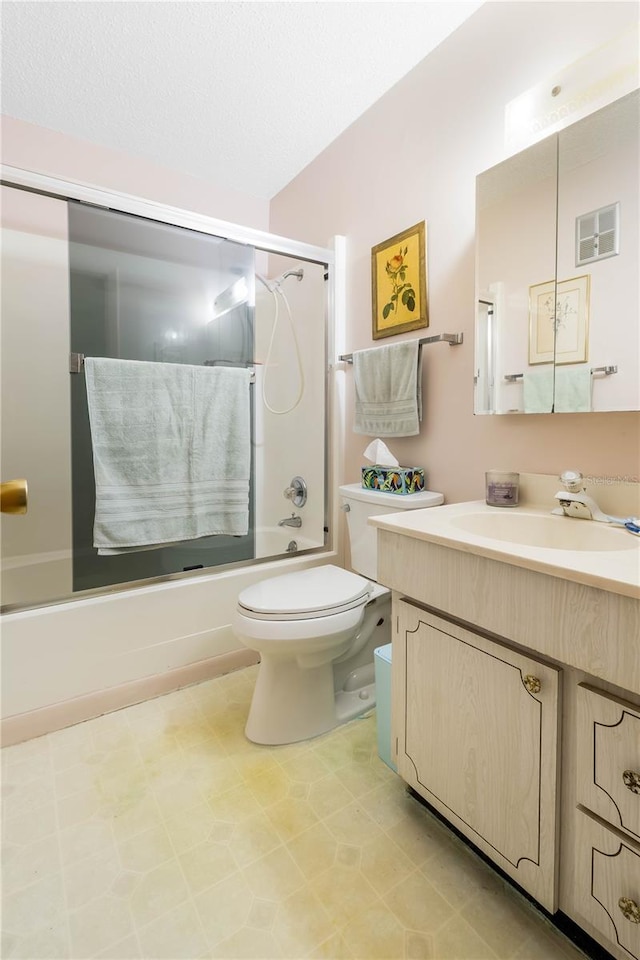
x=575 y=501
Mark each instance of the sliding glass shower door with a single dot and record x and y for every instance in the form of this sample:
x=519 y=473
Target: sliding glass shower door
x=142 y=290
x=83 y=281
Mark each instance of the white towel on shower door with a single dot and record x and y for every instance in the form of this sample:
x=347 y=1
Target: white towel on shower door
x=171 y=452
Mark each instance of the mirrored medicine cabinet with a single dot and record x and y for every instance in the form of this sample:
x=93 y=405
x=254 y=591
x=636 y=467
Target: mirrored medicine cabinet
x=557 y=255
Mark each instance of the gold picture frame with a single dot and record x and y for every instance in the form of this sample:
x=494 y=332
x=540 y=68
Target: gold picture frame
x=399 y=283
x=559 y=321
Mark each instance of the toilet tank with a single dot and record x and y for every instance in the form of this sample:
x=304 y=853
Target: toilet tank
x=361 y=504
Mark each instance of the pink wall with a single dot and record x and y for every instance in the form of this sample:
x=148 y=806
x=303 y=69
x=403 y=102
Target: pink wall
x=58 y=155
x=415 y=154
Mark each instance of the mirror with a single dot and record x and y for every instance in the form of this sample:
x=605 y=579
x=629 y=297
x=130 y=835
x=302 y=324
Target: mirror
x=557 y=271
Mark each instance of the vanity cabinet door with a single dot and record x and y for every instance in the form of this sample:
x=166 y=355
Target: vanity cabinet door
x=477 y=729
x=609 y=758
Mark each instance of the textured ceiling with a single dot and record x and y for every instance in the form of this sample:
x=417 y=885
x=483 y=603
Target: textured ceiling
x=244 y=94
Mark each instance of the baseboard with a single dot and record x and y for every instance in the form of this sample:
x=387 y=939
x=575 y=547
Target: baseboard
x=37 y=723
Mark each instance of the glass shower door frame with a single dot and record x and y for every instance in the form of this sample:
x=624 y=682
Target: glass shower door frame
x=332 y=258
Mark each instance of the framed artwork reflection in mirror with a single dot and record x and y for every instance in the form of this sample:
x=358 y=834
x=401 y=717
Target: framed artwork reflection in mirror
x=559 y=321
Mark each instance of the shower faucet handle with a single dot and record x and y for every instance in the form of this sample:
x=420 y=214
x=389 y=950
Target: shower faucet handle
x=296 y=492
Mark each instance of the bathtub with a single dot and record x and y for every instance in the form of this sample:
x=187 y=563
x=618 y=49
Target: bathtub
x=71 y=661
x=35 y=577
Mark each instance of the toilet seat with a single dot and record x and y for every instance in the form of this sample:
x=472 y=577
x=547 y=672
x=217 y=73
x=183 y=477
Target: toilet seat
x=305 y=594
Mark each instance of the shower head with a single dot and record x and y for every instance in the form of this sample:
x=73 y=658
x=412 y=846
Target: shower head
x=291 y=273
x=272 y=285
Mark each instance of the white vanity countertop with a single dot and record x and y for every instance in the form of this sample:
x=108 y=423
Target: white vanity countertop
x=613 y=566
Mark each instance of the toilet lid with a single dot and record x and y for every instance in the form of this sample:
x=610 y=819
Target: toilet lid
x=305 y=593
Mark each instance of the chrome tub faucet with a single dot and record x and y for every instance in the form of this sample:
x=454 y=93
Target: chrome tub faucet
x=293 y=521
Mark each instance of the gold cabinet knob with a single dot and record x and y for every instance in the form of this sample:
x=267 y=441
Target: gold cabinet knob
x=532 y=683
x=631 y=780
x=630 y=909
x=14 y=496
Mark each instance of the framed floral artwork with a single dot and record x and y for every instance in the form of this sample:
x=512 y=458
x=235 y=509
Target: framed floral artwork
x=399 y=283
x=559 y=321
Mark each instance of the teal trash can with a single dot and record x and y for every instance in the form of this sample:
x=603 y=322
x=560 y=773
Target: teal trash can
x=382 y=665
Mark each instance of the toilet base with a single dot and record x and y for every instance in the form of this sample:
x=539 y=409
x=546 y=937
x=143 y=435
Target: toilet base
x=291 y=703
x=353 y=703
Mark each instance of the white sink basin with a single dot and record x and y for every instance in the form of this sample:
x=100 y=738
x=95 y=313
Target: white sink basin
x=555 y=533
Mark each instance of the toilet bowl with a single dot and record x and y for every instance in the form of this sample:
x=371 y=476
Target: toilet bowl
x=303 y=624
x=316 y=630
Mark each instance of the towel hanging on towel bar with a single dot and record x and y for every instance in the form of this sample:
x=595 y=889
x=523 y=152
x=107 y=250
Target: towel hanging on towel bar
x=388 y=385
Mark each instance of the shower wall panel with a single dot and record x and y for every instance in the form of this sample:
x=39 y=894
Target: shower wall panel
x=290 y=443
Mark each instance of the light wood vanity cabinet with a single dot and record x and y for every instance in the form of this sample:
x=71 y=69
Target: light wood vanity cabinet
x=482 y=749
x=479 y=741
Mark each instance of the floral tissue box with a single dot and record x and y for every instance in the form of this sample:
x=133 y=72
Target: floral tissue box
x=400 y=480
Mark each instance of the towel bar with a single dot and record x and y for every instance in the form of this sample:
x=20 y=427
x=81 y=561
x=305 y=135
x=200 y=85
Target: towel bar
x=451 y=338
x=76 y=365
x=513 y=377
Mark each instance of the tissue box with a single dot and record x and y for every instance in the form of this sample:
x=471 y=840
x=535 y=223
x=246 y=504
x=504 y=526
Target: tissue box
x=400 y=480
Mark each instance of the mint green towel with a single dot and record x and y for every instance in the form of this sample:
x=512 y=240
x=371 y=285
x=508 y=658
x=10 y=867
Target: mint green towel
x=573 y=390
x=171 y=452
x=538 y=391
x=388 y=385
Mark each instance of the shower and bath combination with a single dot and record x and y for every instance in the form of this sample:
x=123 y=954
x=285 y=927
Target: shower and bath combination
x=275 y=289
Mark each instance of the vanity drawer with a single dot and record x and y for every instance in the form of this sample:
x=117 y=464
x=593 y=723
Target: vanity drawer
x=609 y=758
x=607 y=884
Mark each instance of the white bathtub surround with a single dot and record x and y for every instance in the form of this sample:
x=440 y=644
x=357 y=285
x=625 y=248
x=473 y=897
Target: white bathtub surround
x=57 y=716
x=288 y=445
x=85 y=650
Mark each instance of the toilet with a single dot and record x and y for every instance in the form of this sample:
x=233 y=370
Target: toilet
x=316 y=630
